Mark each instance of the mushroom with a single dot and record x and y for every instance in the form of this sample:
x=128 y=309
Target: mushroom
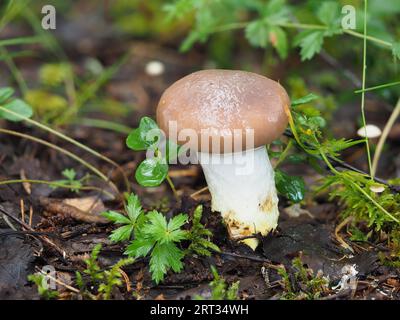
x=234 y=114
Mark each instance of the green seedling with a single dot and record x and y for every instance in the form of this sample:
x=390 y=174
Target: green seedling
x=199 y=236
x=220 y=290
x=42 y=286
x=70 y=181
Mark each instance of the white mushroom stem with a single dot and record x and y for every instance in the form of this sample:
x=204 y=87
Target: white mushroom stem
x=242 y=188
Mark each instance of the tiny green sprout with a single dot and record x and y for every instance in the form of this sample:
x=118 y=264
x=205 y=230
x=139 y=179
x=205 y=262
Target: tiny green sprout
x=71 y=181
x=92 y=267
x=41 y=282
x=200 y=236
x=129 y=222
x=159 y=238
x=220 y=290
x=113 y=278
x=311 y=286
x=103 y=280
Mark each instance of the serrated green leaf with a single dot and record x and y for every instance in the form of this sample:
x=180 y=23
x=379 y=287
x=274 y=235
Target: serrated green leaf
x=70 y=174
x=156 y=227
x=133 y=207
x=275 y=12
x=122 y=233
x=328 y=12
x=164 y=257
x=116 y=217
x=257 y=33
x=19 y=107
x=151 y=172
x=145 y=136
x=303 y=100
x=310 y=42
x=292 y=187
x=139 y=247
x=5 y=94
x=177 y=222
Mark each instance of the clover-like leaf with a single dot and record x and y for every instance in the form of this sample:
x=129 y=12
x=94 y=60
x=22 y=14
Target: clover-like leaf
x=151 y=172
x=19 y=110
x=145 y=136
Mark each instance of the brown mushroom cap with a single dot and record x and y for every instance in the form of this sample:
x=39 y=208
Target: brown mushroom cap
x=223 y=100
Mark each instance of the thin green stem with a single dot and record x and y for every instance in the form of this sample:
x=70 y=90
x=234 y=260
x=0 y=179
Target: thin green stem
x=379 y=147
x=171 y=184
x=284 y=153
x=294 y=25
x=55 y=184
x=74 y=142
x=14 y=70
x=381 y=86
x=59 y=149
x=104 y=124
x=367 y=37
x=20 y=40
x=363 y=88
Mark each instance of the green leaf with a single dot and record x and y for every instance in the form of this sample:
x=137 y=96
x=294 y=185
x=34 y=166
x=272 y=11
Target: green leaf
x=122 y=233
x=291 y=187
x=396 y=50
x=257 y=33
x=17 y=106
x=310 y=42
x=276 y=11
x=70 y=174
x=116 y=217
x=133 y=207
x=156 y=228
x=306 y=99
x=189 y=41
x=164 y=257
x=279 y=41
x=151 y=172
x=139 y=247
x=328 y=12
x=145 y=136
x=5 y=94
x=177 y=222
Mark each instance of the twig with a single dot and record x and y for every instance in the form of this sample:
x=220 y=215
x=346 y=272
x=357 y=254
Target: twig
x=196 y=193
x=339 y=227
x=26 y=226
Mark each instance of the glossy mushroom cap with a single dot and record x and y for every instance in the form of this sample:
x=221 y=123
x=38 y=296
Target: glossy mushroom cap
x=220 y=101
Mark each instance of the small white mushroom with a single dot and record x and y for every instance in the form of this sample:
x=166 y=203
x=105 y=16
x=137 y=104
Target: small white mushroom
x=230 y=105
x=369 y=131
x=155 y=68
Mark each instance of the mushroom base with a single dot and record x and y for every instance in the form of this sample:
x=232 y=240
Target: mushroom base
x=242 y=188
